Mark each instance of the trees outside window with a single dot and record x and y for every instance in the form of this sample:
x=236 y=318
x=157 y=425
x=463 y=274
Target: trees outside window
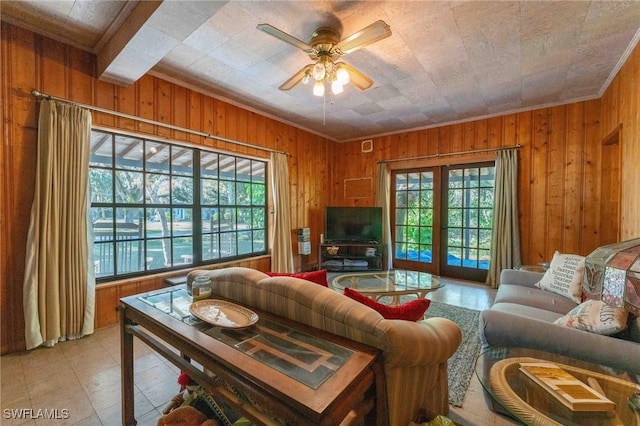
x=157 y=205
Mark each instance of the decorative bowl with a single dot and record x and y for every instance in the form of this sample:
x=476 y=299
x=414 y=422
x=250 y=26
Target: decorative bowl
x=333 y=250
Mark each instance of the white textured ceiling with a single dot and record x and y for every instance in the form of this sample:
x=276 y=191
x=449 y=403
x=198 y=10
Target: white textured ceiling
x=445 y=61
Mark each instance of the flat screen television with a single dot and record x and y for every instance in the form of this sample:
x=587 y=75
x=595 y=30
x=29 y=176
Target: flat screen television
x=353 y=224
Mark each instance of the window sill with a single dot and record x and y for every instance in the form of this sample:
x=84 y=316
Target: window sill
x=164 y=275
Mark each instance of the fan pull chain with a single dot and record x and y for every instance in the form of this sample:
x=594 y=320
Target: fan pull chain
x=324 y=109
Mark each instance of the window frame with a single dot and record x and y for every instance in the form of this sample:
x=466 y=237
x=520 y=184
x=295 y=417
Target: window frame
x=138 y=244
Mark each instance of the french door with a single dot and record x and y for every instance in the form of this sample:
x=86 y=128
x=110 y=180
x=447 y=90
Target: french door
x=442 y=219
x=415 y=232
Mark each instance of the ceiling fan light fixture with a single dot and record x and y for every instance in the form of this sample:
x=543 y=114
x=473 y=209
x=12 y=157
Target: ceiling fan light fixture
x=343 y=76
x=318 y=88
x=319 y=71
x=323 y=49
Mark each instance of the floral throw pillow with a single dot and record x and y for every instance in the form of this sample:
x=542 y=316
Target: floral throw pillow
x=595 y=316
x=564 y=276
x=412 y=310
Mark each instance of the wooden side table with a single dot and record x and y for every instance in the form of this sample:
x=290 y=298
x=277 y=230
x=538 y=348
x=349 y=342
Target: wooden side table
x=533 y=268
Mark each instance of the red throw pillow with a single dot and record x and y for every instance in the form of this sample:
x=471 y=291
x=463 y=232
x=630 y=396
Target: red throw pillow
x=318 y=277
x=411 y=311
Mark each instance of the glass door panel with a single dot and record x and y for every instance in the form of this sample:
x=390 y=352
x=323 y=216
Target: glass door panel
x=413 y=206
x=468 y=209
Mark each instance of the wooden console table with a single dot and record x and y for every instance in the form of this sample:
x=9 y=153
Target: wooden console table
x=324 y=380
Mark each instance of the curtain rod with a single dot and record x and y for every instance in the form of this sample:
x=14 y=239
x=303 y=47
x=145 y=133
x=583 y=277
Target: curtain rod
x=447 y=154
x=39 y=94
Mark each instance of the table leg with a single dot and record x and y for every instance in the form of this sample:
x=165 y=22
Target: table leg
x=126 y=371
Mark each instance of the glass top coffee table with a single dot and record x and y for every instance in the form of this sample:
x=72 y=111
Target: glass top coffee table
x=394 y=283
x=511 y=392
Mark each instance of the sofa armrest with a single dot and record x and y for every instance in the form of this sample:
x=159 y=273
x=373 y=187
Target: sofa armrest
x=519 y=277
x=427 y=342
x=503 y=329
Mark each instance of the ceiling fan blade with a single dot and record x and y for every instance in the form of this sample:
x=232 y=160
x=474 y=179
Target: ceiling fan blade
x=296 y=78
x=281 y=35
x=374 y=32
x=357 y=78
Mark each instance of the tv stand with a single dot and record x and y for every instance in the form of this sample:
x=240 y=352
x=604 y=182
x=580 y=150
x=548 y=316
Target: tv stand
x=352 y=256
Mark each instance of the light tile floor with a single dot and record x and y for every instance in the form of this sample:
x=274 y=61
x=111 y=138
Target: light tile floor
x=79 y=381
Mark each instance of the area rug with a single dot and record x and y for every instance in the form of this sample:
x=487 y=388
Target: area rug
x=461 y=366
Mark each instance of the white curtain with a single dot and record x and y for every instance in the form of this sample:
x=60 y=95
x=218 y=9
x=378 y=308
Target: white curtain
x=505 y=235
x=383 y=192
x=281 y=253
x=59 y=284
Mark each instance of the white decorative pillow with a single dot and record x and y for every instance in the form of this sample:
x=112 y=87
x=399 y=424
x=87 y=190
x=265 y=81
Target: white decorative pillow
x=564 y=276
x=595 y=316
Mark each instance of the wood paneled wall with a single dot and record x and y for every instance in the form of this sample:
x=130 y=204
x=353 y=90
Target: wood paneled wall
x=30 y=62
x=621 y=107
x=558 y=159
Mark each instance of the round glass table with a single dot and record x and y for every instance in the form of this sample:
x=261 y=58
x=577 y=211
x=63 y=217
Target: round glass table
x=394 y=283
x=509 y=391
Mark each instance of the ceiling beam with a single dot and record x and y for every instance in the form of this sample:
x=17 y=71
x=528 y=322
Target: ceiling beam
x=151 y=30
x=115 y=53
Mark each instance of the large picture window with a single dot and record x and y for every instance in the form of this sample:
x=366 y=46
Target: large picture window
x=157 y=205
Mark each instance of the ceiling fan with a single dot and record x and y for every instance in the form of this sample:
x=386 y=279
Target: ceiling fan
x=324 y=49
